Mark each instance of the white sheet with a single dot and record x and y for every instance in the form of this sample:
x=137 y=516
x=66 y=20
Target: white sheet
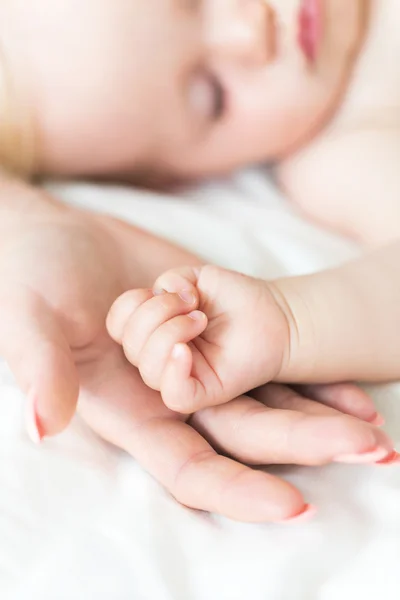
x=80 y=521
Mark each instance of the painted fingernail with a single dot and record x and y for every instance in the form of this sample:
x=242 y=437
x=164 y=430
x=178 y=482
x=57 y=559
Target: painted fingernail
x=187 y=296
x=197 y=315
x=365 y=458
x=392 y=459
x=159 y=292
x=33 y=425
x=306 y=514
x=378 y=420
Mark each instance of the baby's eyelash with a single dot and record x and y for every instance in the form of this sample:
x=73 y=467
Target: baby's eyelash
x=206 y=96
x=220 y=97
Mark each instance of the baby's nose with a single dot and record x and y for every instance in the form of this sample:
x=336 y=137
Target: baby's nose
x=244 y=30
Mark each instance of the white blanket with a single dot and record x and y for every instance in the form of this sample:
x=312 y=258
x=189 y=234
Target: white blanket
x=80 y=521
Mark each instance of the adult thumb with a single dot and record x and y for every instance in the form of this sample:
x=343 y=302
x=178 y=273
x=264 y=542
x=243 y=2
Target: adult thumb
x=39 y=356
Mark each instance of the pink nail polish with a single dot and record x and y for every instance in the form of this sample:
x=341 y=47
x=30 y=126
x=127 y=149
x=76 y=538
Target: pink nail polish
x=365 y=458
x=378 y=420
x=33 y=426
x=306 y=514
x=392 y=459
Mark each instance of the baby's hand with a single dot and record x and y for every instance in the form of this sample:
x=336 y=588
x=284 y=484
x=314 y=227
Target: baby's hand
x=202 y=336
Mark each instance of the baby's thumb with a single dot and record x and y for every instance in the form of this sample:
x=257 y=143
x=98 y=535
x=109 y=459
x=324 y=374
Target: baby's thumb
x=35 y=348
x=178 y=280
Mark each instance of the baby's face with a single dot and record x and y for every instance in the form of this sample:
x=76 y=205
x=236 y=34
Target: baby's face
x=187 y=87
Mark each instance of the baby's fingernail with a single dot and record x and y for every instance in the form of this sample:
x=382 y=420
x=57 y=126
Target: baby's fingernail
x=159 y=292
x=187 y=296
x=378 y=420
x=197 y=271
x=33 y=426
x=197 y=315
x=306 y=514
x=365 y=458
x=390 y=460
x=178 y=351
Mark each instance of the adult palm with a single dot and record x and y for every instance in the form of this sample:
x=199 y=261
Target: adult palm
x=60 y=271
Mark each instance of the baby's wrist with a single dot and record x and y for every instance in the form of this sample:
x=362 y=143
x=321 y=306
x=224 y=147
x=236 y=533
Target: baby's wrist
x=298 y=357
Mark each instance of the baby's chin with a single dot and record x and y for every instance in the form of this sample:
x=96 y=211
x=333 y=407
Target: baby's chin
x=346 y=35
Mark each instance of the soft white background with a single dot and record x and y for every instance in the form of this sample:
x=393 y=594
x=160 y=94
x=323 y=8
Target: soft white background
x=81 y=521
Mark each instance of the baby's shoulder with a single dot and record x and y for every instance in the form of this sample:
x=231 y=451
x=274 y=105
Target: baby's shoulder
x=345 y=176
x=352 y=169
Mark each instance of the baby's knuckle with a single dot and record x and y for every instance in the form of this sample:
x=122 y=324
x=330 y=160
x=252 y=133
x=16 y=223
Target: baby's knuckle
x=130 y=351
x=175 y=328
x=210 y=272
x=166 y=302
x=147 y=374
x=149 y=369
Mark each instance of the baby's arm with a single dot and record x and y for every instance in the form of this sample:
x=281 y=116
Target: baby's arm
x=345 y=323
x=349 y=180
x=333 y=326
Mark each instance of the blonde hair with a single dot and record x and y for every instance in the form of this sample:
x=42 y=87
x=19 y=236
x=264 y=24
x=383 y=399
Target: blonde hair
x=16 y=131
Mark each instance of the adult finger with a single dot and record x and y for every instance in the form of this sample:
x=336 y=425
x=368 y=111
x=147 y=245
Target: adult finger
x=320 y=399
x=131 y=416
x=345 y=397
x=34 y=346
x=256 y=434
x=275 y=395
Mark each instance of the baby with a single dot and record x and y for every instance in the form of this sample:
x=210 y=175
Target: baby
x=307 y=321
x=166 y=90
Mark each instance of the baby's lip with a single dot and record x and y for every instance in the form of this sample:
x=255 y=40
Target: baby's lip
x=310 y=28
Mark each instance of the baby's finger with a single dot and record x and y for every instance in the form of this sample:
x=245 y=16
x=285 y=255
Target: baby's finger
x=33 y=344
x=122 y=309
x=255 y=434
x=160 y=349
x=158 y=318
x=176 y=280
x=188 y=384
